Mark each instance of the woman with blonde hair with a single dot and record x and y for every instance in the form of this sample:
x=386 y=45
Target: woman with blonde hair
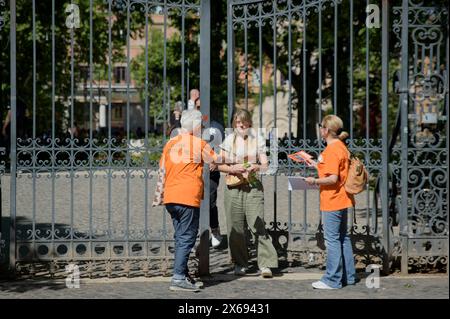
x=245 y=150
x=332 y=166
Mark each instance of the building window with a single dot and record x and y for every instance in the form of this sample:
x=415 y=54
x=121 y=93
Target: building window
x=120 y=74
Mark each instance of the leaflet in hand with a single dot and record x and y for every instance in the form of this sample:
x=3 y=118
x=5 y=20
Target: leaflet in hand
x=298 y=183
x=302 y=156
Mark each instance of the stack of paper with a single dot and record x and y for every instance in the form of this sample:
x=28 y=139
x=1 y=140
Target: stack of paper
x=302 y=156
x=296 y=183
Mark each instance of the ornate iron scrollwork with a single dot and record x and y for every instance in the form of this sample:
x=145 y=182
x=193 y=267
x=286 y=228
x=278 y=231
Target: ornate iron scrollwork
x=425 y=219
x=2 y=12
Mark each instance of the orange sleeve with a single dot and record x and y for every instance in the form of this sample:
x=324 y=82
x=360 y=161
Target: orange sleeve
x=208 y=154
x=329 y=165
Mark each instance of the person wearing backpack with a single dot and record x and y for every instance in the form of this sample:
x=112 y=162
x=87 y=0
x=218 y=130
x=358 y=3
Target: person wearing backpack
x=333 y=168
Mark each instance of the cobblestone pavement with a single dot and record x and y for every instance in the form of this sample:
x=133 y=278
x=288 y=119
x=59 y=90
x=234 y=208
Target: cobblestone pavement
x=117 y=213
x=283 y=286
x=292 y=284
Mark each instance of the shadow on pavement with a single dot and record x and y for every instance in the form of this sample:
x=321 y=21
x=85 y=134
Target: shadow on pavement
x=25 y=286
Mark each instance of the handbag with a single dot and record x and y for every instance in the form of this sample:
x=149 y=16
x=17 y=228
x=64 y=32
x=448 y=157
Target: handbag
x=234 y=180
x=231 y=179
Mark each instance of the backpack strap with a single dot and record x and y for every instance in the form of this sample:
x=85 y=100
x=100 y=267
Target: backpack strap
x=354 y=214
x=350 y=156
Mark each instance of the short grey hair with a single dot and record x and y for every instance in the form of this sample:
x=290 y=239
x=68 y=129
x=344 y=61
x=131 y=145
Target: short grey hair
x=178 y=106
x=190 y=119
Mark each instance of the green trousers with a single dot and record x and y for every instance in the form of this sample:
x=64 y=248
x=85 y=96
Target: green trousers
x=246 y=204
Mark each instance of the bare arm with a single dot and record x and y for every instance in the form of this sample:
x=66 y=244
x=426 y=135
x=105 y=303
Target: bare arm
x=262 y=167
x=329 y=180
x=229 y=168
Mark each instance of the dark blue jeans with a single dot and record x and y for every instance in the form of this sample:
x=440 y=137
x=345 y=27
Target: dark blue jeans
x=340 y=263
x=185 y=222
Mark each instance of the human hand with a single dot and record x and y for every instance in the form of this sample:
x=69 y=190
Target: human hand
x=237 y=169
x=252 y=168
x=212 y=167
x=310 y=180
x=311 y=163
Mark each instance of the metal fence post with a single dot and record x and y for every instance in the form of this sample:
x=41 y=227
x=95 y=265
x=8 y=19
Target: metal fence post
x=205 y=87
x=404 y=136
x=447 y=128
x=384 y=118
x=12 y=243
x=230 y=61
x=2 y=168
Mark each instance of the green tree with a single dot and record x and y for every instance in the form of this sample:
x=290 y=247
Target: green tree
x=153 y=71
x=101 y=18
x=218 y=76
x=306 y=47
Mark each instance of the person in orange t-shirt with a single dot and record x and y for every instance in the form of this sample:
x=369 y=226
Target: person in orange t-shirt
x=332 y=167
x=183 y=158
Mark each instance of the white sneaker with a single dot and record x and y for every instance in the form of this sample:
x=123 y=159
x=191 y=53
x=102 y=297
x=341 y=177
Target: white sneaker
x=240 y=270
x=216 y=238
x=266 y=272
x=321 y=285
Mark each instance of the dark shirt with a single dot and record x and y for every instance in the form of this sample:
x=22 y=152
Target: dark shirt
x=174 y=122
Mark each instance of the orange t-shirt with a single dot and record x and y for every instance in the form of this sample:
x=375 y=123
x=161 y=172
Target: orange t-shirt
x=334 y=160
x=184 y=157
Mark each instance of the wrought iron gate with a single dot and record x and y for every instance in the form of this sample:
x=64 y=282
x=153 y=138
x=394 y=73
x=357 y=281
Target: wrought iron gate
x=420 y=157
x=292 y=62
x=82 y=171
x=83 y=197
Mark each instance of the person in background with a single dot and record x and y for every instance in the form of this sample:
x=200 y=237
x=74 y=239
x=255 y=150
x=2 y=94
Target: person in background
x=175 y=117
x=332 y=166
x=139 y=133
x=22 y=125
x=216 y=132
x=194 y=99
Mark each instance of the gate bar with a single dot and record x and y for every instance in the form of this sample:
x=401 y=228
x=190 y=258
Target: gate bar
x=447 y=128
x=230 y=61
x=404 y=137
x=12 y=226
x=384 y=138
x=205 y=87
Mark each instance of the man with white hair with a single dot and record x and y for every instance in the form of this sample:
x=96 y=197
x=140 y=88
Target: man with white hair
x=183 y=158
x=194 y=99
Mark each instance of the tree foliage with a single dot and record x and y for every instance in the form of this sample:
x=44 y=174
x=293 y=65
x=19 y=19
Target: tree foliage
x=218 y=76
x=57 y=54
x=152 y=70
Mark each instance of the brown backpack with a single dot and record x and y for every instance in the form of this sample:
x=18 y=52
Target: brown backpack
x=357 y=176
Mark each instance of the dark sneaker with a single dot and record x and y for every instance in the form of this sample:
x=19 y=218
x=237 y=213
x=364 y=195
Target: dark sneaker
x=197 y=284
x=183 y=285
x=240 y=270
